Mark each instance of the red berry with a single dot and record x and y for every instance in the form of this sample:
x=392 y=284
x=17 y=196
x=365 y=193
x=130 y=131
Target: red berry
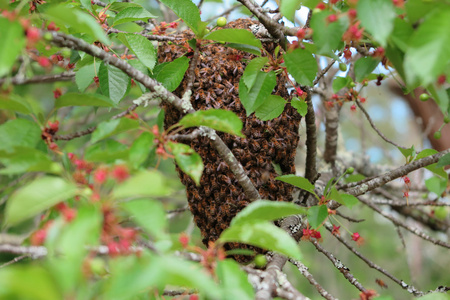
x=120 y=173
x=57 y=93
x=352 y=13
x=332 y=18
x=321 y=6
x=44 y=62
x=100 y=175
x=33 y=35
x=52 y=26
x=301 y=34
x=38 y=238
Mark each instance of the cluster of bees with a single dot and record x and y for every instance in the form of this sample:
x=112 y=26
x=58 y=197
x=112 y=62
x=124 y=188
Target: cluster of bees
x=267 y=143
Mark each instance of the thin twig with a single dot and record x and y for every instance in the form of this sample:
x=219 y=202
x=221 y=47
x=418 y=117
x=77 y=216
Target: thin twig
x=305 y=272
x=20 y=80
x=372 y=124
x=410 y=288
x=349 y=218
x=226 y=12
x=369 y=184
x=151 y=37
x=340 y=266
x=190 y=75
x=14 y=260
x=400 y=223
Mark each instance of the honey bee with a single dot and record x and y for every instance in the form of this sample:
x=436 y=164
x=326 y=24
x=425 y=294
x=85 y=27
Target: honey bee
x=381 y=283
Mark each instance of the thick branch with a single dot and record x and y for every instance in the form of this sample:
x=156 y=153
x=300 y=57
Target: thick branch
x=311 y=141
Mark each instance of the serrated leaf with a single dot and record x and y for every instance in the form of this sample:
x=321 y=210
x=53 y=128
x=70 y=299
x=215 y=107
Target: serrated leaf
x=36 y=196
x=234 y=280
x=218 y=119
x=19 y=132
x=316 y=215
x=144 y=183
x=81 y=99
x=113 y=82
x=298 y=181
x=148 y=214
x=143 y=49
x=15 y=103
x=186 y=10
x=340 y=82
x=328 y=36
x=300 y=105
x=188 y=160
x=265 y=235
x=377 y=17
x=78 y=21
x=132 y=14
x=444 y=161
x=252 y=69
x=108 y=128
x=231 y=35
x=288 y=8
x=429 y=48
x=263 y=87
x=11 y=34
x=410 y=152
x=364 y=66
x=301 y=65
x=265 y=210
x=171 y=74
x=436 y=185
x=271 y=108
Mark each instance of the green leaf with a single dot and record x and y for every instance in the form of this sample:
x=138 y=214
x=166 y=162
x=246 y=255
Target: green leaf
x=444 y=161
x=265 y=210
x=186 y=10
x=348 y=200
x=316 y=215
x=15 y=103
x=132 y=14
x=238 y=36
x=143 y=49
x=144 y=183
x=147 y=213
x=252 y=70
x=81 y=99
x=85 y=76
x=263 y=87
x=301 y=65
x=218 y=119
x=188 y=160
x=26 y=159
x=425 y=153
x=340 y=82
x=300 y=105
x=12 y=35
x=298 y=181
x=262 y=234
x=172 y=73
x=328 y=36
x=408 y=153
x=364 y=66
x=429 y=49
x=113 y=82
x=436 y=170
x=78 y=21
x=28 y=282
x=234 y=281
x=113 y=127
x=19 y=132
x=271 y=108
x=377 y=17
x=436 y=185
x=106 y=151
x=37 y=196
x=247 y=48
x=139 y=151
x=288 y=8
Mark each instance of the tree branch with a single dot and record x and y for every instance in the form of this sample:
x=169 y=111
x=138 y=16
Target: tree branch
x=20 y=79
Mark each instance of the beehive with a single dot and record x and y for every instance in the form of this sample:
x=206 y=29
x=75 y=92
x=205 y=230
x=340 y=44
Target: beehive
x=220 y=197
